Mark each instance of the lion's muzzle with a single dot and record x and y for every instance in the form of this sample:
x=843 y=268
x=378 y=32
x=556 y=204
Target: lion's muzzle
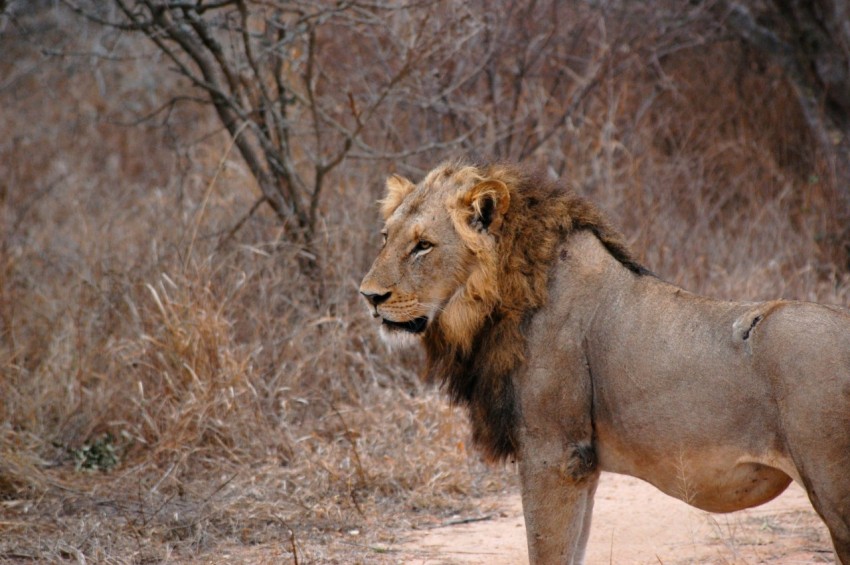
x=376 y=298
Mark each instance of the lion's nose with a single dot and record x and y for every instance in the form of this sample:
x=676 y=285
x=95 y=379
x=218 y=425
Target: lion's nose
x=375 y=298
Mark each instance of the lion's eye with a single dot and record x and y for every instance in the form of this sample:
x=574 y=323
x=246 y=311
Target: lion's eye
x=383 y=238
x=422 y=246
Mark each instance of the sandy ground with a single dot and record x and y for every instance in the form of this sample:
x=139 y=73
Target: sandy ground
x=634 y=523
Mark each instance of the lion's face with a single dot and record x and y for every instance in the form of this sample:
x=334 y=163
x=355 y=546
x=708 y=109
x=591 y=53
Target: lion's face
x=439 y=239
x=422 y=263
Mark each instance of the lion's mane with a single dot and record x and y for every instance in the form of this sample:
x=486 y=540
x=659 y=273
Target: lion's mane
x=478 y=370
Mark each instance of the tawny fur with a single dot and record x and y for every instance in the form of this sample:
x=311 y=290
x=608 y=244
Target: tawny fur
x=478 y=342
x=536 y=317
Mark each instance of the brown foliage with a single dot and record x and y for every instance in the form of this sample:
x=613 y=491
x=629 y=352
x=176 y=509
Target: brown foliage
x=240 y=407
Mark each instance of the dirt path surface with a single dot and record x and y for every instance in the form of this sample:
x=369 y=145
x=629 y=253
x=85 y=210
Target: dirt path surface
x=634 y=523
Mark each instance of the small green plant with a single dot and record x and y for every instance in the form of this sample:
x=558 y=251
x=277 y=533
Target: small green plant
x=99 y=455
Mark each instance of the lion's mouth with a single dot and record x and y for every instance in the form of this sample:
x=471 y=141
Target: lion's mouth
x=414 y=326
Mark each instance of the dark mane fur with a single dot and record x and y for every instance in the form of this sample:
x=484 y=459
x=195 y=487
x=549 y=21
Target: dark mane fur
x=542 y=214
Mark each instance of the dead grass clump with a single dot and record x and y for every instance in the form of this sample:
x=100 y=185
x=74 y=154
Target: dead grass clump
x=191 y=383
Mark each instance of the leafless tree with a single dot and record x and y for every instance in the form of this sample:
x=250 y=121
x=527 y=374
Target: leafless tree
x=303 y=86
x=810 y=41
x=524 y=83
x=297 y=84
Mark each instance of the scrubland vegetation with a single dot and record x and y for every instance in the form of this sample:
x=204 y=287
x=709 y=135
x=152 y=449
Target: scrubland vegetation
x=186 y=369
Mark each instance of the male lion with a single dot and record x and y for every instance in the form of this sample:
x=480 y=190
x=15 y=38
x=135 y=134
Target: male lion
x=573 y=359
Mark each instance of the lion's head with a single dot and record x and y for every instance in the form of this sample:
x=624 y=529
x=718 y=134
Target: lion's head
x=466 y=260
x=436 y=272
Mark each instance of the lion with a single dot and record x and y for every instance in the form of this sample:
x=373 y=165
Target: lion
x=573 y=359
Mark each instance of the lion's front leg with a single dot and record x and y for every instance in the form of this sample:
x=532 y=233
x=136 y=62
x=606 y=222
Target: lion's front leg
x=558 y=484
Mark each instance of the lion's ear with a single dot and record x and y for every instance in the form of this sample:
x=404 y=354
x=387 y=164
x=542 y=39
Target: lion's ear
x=488 y=201
x=398 y=188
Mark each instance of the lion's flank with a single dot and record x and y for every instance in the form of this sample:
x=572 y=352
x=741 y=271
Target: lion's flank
x=478 y=370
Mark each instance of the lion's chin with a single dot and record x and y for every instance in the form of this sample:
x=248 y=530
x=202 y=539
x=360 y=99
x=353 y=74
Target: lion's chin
x=403 y=334
x=414 y=326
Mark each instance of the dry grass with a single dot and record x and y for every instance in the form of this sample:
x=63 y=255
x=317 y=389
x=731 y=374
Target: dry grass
x=168 y=395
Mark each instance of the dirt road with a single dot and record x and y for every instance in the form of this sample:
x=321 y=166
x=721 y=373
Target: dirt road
x=634 y=523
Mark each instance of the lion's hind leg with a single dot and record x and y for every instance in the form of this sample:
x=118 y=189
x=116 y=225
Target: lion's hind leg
x=822 y=458
x=804 y=349
x=823 y=465
x=830 y=496
x=836 y=516
x=821 y=455
x=842 y=550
